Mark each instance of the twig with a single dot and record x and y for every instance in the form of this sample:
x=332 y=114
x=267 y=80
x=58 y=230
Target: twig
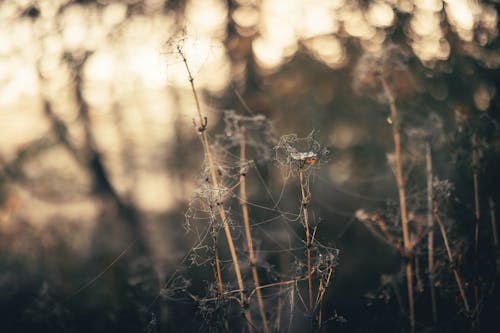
x=402 y=196
x=493 y=222
x=494 y=232
x=430 y=227
x=215 y=183
x=305 y=201
x=477 y=217
x=248 y=234
x=277 y=323
x=450 y=257
x=385 y=231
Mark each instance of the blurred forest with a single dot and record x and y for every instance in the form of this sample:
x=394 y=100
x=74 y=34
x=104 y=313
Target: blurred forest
x=102 y=173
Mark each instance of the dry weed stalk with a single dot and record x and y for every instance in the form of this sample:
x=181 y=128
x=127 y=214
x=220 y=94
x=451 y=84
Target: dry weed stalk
x=402 y=196
x=202 y=125
x=248 y=234
x=430 y=227
x=477 y=217
x=304 y=201
x=458 y=279
x=493 y=221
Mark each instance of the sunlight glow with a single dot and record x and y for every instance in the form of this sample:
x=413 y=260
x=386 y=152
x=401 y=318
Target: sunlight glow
x=380 y=14
x=318 y=20
x=460 y=13
x=113 y=14
x=207 y=16
x=100 y=66
x=246 y=19
x=328 y=49
x=356 y=25
x=267 y=54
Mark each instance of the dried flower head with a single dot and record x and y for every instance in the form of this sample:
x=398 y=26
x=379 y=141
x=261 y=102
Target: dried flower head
x=294 y=153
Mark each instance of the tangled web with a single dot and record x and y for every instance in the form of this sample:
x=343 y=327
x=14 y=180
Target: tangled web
x=279 y=243
x=294 y=153
x=300 y=155
x=256 y=131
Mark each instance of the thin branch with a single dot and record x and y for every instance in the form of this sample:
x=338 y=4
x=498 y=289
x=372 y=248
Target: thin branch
x=430 y=227
x=248 y=234
x=458 y=279
x=402 y=196
x=215 y=183
x=305 y=201
x=477 y=217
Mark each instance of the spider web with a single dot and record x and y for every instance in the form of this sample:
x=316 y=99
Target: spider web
x=277 y=232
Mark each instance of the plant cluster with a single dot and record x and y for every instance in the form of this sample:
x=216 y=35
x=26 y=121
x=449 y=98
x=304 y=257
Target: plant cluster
x=246 y=291
x=439 y=260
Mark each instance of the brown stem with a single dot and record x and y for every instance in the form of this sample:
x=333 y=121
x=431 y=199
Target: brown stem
x=305 y=201
x=264 y=286
x=277 y=323
x=493 y=222
x=430 y=227
x=402 y=196
x=218 y=275
x=452 y=262
x=248 y=234
x=218 y=278
x=388 y=237
x=477 y=217
x=494 y=232
x=215 y=184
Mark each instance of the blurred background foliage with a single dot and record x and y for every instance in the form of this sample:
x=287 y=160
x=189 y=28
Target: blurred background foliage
x=99 y=157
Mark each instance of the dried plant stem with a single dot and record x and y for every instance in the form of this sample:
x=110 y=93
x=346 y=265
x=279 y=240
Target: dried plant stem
x=305 y=200
x=430 y=227
x=217 y=272
x=493 y=222
x=218 y=278
x=402 y=196
x=477 y=217
x=323 y=285
x=452 y=262
x=477 y=214
x=389 y=239
x=248 y=234
x=277 y=323
x=264 y=286
x=494 y=232
x=215 y=184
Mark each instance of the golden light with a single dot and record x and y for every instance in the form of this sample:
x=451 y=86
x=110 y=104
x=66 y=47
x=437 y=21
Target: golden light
x=74 y=27
x=375 y=43
x=380 y=14
x=101 y=66
x=425 y=23
x=317 y=20
x=431 y=48
x=328 y=49
x=460 y=13
x=151 y=191
x=356 y=25
x=429 y=5
x=208 y=17
x=267 y=54
x=113 y=14
x=246 y=19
